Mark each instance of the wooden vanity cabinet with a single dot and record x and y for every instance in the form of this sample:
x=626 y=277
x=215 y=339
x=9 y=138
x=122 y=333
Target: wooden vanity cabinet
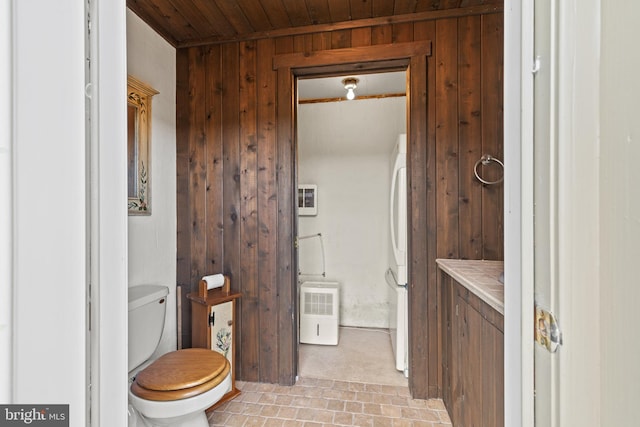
x=472 y=357
x=213 y=320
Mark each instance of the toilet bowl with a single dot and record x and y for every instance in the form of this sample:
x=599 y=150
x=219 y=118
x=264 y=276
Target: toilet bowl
x=177 y=388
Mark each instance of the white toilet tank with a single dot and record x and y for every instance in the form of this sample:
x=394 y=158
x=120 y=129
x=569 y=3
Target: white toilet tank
x=147 y=307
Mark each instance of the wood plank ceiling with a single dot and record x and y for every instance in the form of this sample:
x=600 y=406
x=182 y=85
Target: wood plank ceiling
x=186 y=23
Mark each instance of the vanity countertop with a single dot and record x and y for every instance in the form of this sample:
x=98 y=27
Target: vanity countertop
x=480 y=277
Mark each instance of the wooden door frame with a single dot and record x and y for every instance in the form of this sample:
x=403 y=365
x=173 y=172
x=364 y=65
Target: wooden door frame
x=424 y=317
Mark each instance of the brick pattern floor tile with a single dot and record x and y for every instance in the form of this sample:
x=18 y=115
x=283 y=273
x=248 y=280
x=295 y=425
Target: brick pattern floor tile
x=321 y=403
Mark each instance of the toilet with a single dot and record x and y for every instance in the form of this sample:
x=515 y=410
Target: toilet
x=176 y=388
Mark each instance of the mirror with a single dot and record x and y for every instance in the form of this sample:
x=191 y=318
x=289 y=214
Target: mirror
x=138 y=142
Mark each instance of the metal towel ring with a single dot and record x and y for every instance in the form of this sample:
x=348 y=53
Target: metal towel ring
x=485 y=160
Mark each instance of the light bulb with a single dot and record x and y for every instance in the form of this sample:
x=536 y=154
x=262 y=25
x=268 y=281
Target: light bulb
x=350 y=84
x=350 y=94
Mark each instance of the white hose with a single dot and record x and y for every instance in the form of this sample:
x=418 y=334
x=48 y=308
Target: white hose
x=319 y=236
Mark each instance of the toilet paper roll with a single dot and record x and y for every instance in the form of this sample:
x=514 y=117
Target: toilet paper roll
x=214 y=281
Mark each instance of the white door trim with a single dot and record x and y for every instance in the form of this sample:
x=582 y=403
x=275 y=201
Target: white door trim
x=518 y=212
x=108 y=214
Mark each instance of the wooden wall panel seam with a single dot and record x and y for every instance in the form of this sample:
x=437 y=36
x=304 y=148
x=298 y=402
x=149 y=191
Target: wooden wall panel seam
x=214 y=147
x=197 y=168
x=447 y=138
x=267 y=211
x=229 y=118
x=183 y=239
x=470 y=137
x=247 y=95
x=492 y=135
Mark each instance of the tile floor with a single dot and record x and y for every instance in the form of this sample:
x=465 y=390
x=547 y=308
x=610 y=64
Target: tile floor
x=316 y=402
x=333 y=390
x=362 y=355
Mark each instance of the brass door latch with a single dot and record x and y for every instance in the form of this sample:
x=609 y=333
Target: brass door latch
x=546 y=330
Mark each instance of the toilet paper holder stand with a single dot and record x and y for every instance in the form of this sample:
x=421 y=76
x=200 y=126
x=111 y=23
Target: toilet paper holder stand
x=203 y=291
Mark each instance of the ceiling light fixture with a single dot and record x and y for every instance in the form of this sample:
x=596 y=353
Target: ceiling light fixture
x=350 y=83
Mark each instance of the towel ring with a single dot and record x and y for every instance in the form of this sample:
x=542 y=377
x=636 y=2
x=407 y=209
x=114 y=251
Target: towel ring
x=485 y=160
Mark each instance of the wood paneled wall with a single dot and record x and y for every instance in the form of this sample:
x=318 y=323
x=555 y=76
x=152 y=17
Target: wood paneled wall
x=235 y=175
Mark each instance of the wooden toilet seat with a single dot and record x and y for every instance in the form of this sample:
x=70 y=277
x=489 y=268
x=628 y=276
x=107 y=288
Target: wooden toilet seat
x=181 y=374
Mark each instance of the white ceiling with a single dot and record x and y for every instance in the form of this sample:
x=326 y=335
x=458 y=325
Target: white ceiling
x=369 y=84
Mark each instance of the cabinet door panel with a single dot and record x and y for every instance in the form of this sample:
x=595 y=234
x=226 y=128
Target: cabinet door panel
x=472 y=358
x=222 y=329
x=493 y=378
x=448 y=312
x=456 y=368
x=471 y=365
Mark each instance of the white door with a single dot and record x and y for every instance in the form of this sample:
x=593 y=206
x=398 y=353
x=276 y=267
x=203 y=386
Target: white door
x=566 y=188
x=544 y=202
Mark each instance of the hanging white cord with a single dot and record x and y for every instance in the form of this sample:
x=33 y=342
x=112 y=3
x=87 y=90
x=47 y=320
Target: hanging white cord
x=319 y=236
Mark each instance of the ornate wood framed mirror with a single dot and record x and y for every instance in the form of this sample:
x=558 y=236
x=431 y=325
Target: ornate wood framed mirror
x=139 y=97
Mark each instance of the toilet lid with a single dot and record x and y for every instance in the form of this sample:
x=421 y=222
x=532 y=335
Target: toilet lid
x=182 y=369
x=172 y=395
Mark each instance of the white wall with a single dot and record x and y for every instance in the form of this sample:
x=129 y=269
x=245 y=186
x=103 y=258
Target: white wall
x=152 y=239
x=345 y=149
x=619 y=212
x=6 y=202
x=49 y=205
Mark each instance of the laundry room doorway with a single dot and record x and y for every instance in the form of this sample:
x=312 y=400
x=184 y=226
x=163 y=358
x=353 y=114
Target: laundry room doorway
x=413 y=58
x=347 y=126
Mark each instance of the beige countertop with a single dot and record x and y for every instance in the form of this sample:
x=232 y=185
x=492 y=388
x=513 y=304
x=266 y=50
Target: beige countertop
x=480 y=277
